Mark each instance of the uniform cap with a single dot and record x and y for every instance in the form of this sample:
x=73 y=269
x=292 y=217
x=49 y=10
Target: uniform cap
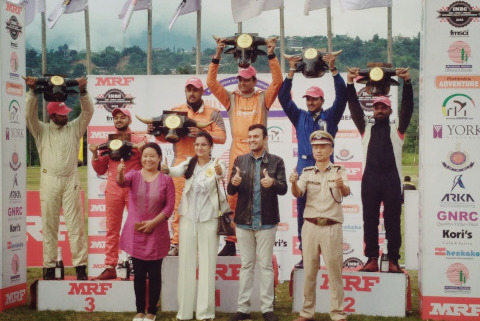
x=319 y=137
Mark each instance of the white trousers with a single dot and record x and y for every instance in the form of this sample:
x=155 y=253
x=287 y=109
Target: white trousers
x=328 y=241
x=256 y=245
x=57 y=192
x=197 y=248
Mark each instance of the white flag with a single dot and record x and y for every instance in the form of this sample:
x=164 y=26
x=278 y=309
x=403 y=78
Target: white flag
x=129 y=7
x=311 y=5
x=247 y=9
x=364 y=4
x=65 y=6
x=32 y=7
x=185 y=6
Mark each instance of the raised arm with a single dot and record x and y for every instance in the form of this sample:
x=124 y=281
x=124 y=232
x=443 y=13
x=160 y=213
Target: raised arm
x=356 y=110
x=213 y=84
x=284 y=95
x=276 y=71
x=405 y=114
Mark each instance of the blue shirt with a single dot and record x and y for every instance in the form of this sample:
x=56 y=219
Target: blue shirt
x=304 y=122
x=257 y=195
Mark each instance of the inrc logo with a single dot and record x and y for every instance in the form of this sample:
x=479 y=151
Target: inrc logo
x=447 y=234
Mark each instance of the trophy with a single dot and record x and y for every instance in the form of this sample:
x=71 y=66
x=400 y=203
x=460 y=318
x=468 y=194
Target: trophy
x=377 y=78
x=245 y=48
x=172 y=124
x=118 y=146
x=55 y=87
x=312 y=64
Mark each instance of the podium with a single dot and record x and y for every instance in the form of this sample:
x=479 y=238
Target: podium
x=382 y=294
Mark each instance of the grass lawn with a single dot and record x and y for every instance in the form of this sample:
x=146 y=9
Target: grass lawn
x=283 y=307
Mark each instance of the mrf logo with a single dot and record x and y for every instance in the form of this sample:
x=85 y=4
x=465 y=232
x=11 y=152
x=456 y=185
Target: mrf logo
x=228 y=272
x=353 y=282
x=14 y=297
x=89 y=288
x=114 y=81
x=455 y=309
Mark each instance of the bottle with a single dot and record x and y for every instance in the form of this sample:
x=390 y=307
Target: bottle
x=130 y=266
x=384 y=262
x=124 y=271
x=59 y=267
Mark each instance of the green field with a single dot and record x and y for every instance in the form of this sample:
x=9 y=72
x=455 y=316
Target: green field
x=283 y=307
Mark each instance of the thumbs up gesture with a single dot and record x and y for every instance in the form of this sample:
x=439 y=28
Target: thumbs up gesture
x=218 y=167
x=164 y=167
x=121 y=167
x=236 y=179
x=294 y=176
x=266 y=181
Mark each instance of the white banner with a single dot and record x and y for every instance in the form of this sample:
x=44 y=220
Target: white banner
x=185 y=6
x=129 y=7
x=311 y=5
x=13 y=154
x=364 y=4
x=65 y=6
x=449 y=161
x=247 y=9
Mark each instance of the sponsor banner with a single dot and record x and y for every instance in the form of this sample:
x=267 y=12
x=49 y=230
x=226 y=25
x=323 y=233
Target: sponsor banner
x=387 y=290
x=86 y=296
x=457 y=82
x=13 y=296
x=450 y=308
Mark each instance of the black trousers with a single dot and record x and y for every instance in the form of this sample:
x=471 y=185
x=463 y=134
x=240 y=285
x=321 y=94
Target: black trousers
x=154 y=271
x=377 y=188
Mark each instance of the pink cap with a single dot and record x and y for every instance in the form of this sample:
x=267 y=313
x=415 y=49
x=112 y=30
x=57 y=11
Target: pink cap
x=247 y=73
x=55 y=107
x=314 y=92
x=195 y=82
x=383 y=100
x=126 y=112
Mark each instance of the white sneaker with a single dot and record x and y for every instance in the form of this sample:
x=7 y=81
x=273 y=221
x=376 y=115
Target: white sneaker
x=173 y=251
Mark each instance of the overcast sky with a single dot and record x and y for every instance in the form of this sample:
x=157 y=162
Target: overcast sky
x=216 y=19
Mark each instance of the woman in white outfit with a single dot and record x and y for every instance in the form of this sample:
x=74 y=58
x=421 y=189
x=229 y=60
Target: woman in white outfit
x=198 y=240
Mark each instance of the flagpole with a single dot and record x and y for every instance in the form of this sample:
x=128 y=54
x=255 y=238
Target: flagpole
x=44 y=60
x=240 y=27
x=199 y=49
x=329 y=29
x=149 y=43
x=87 y=40
x=282 y=38
x=389 y=41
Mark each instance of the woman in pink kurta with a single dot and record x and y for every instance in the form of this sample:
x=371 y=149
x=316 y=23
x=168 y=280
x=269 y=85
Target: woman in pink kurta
x=145 y=234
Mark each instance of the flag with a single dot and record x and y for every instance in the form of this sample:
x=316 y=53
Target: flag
x=311 y=5
x=129 y=7
x=247 y=9
x=65 y=6
x=185 y=6
x=32 y=7
x=364 y=4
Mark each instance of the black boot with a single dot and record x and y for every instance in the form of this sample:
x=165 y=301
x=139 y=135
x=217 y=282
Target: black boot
x=81 y=272
x=228 y=250
x=49 y=273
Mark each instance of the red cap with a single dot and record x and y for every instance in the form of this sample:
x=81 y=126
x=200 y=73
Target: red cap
x=247 y=73
x=55 y=107
x=383 y=100
x=126 y=112
x=195 y=82
x=314 y=92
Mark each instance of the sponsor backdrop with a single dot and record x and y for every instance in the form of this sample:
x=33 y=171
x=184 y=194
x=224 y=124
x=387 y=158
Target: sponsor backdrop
x=148 y=96
x=449 y=157
x=12 y=151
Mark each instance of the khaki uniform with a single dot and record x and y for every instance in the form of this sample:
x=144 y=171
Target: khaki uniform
x=323 y=202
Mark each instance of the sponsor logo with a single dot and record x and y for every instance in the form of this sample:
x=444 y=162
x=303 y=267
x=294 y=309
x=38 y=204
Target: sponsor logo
x=15 y=194
x=275 y=134
x=455 y=309
x=14 y=112
x=13 y=8
x=351 y=227
x=14 y=65
x=458 y=275
x=353 y=169
x=458 y=14
x=347 y=249
x=346 y=134
x=14 y=297
x=457 y=160
x=281 y=243
x=343 y=154
x=458 y=107
x=14 y=246
x=460 y=219
x=14 y=133
x=89 y=288
x=353 y=282
x=14 y=89
x=365 y=100
x=459 y=33
x=228 y=272
x=296 y=246
x=350 y=209
x=455 y=197
x=15 y=228
x=15 y=263
x=15 y=211
x=13 y=45
x=346 y=117
x=13 y=27
x=294 y=207
x=464 y=131
x=294 y=135
x=283 y=227
x=96 y=244
x=114 y=81
x=437 y=131
x=451 y=82
x=459 y=53
x=99 y=266
x=352 y=262
x=114 y=98
x=457 y=254
x=463 y=234
x=99 y=134
x=15 y=162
